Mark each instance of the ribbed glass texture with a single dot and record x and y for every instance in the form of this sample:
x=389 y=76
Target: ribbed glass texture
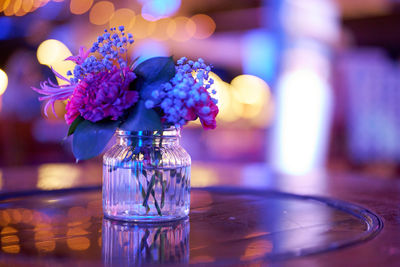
x=128 y=244
x=146 y=177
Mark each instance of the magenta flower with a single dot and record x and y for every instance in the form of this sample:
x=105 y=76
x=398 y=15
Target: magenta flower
x=206 y=111
x=103 y=95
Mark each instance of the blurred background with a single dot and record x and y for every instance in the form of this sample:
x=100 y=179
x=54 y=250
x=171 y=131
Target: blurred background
x=302 y=85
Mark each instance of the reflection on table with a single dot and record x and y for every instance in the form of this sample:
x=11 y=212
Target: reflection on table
x=129 y=244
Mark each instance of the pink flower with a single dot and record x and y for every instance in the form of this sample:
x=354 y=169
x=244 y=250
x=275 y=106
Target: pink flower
x=103 y=95
x=208 y=120
x=206 y=111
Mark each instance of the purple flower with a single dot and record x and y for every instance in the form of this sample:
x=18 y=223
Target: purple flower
x=104 y=95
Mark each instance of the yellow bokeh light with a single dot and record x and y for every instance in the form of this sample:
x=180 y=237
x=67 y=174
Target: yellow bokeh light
x=39 y=3
x=9 y=9
x=53 y=54
x=203 y=176
x=5 y=218
x=161 y=28
x=3 y=82
x=142 y=28
x=226 y=102
x=205 y=26
x=171 y=28
x=264 y=118
x=51 y=51
x=101 y=12
x=4 y=4
x=8 y=230
x=17 y=6
x=27 y=215
x=13 y=249
x=20 y=13
x=252 y=93
x=16 y=216
x=9 y=239
x=225 y=99
x=56 y=176
x=27 y=5
x=123 y=16
x=185 y=29
x=79 y=7
x=250 y=89
x=78 y=243
x=44 y=241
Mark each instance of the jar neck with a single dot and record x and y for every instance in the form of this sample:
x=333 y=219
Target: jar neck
x=165 y=137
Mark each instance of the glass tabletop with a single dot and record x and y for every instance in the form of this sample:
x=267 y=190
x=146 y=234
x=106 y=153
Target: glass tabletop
x=225 y=226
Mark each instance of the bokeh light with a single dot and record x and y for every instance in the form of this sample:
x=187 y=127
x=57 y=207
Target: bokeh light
x=8 y=8
x=205 y=26
x=39 y=3
x=79 y=7
x=56 y=176
x=17 y=8
x=161 y=29
x=225 y=99
x=27 y=5
x=44 y=241
x=4 y=4
x=185 y=28
x=101 y=12
x=252 y=92
x=123 y=16
x=142 y=28
x=157 y=9
x=3 y=82
x=250 y=89
x=53 y=53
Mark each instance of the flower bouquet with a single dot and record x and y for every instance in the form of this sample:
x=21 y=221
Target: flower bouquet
x=146 y=174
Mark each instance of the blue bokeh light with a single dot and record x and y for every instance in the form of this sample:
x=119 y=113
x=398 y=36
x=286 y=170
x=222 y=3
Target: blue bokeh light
x=156 y=9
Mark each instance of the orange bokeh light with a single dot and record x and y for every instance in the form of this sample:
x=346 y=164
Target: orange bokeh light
x=123 y=16
x=205 y=26
x=79 y=7
x=185 y=29
x=101 y=12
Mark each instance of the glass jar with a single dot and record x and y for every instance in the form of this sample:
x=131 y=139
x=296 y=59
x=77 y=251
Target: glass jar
x=146 y=177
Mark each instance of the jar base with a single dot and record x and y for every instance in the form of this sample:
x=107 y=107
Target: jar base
x=145 y=218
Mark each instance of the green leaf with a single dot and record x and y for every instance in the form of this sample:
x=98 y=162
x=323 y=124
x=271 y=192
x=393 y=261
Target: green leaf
x=90 y=138
x=142 y=119
x=74 y=124
x=152 y=73
x=156 y=69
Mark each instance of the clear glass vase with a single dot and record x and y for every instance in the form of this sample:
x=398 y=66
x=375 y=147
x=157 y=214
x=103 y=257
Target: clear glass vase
x=146 y=177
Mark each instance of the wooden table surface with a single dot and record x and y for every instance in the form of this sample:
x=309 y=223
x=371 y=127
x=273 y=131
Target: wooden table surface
x=377 y=195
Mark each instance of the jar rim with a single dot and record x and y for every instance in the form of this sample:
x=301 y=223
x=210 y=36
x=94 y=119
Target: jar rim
x=167 y=131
